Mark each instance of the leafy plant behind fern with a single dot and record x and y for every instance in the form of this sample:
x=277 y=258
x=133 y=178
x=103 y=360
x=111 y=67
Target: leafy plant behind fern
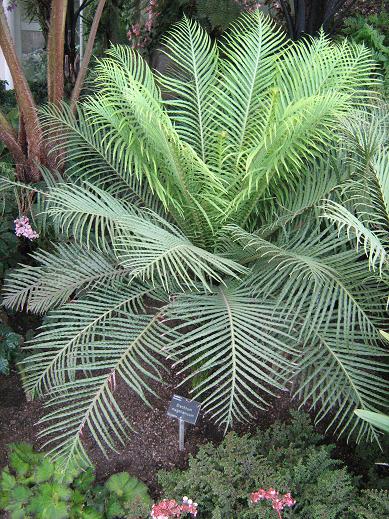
x=200 y=190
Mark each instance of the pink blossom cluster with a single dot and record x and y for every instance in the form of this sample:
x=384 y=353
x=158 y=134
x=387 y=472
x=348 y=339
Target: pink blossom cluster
x=141 y=37
x=169 y=508
x=278 y=501
x=23 y=228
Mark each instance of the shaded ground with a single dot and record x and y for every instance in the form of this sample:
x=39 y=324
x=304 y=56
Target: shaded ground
x=153 y=446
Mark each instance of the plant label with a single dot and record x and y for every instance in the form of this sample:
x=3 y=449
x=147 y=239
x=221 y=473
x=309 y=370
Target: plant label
x=184 y=409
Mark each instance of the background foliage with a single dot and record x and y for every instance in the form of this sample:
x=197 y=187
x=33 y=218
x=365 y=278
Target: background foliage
x=373 y=31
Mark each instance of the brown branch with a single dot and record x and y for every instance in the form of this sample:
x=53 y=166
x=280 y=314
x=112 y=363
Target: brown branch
x=25 y=100
x=87 y=56
x=6 y=125
x=55 y=51
x=288 y=18
x=13 y=146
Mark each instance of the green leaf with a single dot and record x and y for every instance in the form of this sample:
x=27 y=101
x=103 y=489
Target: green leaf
x=44 y=471
x=8 y=481
x=379 y=420
x=127 y=487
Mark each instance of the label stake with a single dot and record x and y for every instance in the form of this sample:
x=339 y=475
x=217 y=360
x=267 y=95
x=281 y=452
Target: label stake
x=181 y=434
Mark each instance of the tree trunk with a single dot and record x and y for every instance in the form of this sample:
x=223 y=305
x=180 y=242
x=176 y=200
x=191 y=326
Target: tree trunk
x=317 y=11
x=87 y=56
x=56 y=49
x=25 y=100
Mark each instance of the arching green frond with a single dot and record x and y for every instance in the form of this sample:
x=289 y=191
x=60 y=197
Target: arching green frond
x=364 y=210
x=371 y=243
x=335 y=377
x=65 y=345
x=91 y=155
x=189 y=84
x=181 y=172
x=247 y=73
x=162 y=255
x=88 y=214
x=60 y=276
x=238 y=345
x=142 y=241
x=310 y=273
x=296 y=199
x=87 y=403
x=312 y=68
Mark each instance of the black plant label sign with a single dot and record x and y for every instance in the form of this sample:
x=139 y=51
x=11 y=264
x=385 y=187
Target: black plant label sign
x=184 y=409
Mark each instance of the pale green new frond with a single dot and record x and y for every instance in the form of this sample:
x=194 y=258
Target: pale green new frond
x=336 y=376
x=128 y=352
x=181 y=172
x=163 y=255
x=315 y=88
x=314 y=67
x=60 y=276
x=247 y=72
x=299 y=134
x=189 y=84
x=237 y=345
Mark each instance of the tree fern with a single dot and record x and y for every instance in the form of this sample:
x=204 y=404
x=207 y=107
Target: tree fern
x=192 y=207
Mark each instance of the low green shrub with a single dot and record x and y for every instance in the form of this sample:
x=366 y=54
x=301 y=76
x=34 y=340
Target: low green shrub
x=33 y=487
x=288 y=457
x=372 y=31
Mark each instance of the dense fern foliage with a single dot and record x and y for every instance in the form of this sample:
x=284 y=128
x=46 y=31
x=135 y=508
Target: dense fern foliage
x=199 y=193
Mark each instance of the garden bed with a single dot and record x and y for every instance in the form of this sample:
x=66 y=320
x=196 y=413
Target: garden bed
x=153 y=445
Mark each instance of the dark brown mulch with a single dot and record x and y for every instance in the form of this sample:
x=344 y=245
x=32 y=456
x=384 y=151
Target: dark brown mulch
x=153 y=445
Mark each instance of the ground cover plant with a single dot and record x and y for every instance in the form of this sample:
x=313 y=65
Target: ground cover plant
x=33 y=486
x=192 y=229
x=290 y=457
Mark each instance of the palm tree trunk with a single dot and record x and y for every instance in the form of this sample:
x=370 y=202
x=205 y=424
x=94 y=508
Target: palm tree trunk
x=56 y=50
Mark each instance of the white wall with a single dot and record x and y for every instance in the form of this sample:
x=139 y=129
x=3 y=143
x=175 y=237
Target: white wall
x=4 y=70
x=17 y=24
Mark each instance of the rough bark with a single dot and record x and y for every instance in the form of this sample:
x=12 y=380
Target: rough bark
x=25 y=99
x=55 y=51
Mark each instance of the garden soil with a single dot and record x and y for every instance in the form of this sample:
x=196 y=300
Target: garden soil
x=152 y=446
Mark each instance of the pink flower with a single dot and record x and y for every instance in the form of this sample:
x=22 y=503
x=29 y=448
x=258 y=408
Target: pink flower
x=23 y=228
x=288 y=500
x=278 y=501
x=169 y=508
x=166 y=509
x=136 y=33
